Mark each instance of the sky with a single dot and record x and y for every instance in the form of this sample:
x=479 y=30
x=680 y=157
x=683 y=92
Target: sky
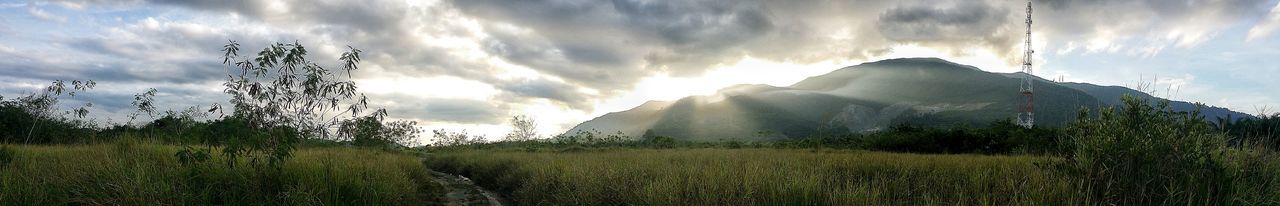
x=472 y=64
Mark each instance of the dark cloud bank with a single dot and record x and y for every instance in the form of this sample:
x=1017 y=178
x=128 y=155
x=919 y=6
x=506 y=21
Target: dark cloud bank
x=601 y=45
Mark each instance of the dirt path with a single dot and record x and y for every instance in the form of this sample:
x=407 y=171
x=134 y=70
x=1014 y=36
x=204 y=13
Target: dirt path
x=464 y=192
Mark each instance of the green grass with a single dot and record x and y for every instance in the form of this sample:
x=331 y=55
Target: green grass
x=146 y=174
x=760 y=177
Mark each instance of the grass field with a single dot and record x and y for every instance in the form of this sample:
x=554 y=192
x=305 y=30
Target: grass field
x=760 y=177
x=147 y=174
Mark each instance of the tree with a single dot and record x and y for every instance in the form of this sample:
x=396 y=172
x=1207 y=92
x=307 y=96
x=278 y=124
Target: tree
x=447 y=138
x=145 y=104
x=42 y=105
x=371 y=130
x=283 y=98
x=523 y=128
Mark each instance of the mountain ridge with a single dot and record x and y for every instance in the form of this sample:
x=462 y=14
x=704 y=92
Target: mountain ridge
x=859 y=98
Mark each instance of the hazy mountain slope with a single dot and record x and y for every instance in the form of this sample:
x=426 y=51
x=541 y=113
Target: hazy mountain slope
x=633 y=121
x=1111 y=96
x=860 y=98
x=955 y=92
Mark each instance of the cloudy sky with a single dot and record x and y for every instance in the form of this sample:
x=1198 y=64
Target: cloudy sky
x=471 y=64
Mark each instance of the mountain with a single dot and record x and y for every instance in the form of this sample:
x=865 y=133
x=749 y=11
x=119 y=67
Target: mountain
x=1110 y=95
x=861 y=98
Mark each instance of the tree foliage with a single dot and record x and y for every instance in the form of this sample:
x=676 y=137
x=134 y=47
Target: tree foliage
x=284 y=98
x=373 y=130
x=144 y=103
x=1261 y=130
x=35 y=118
x=442 y=137
x=523 y=128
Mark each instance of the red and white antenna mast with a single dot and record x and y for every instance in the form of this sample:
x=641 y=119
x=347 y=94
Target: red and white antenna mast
x=1027 y=117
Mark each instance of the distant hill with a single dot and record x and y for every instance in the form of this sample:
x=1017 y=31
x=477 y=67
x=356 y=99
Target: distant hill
x=1111 y=96
x=861 y=98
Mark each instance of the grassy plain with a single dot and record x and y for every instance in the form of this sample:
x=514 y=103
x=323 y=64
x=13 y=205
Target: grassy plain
x=129 y=173
x=760 y=177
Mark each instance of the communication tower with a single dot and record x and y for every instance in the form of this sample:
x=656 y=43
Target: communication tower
x=1027 y=117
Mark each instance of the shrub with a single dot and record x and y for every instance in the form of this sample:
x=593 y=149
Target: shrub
x=1146 y=153
x=35 y=118
x=6 y=156
x=660 y=142
x=1261 y=130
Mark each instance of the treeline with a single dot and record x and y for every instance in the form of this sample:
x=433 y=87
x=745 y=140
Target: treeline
x=998 y=137
x=1262 y=130
x=1001 y=137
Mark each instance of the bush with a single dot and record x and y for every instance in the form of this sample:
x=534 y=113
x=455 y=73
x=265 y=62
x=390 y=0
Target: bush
x=373 y=131
x=1145 y=154
x=1001 y=137
x=19 y=125
x=1262 y=130
x=6 y=156
x=659 y=142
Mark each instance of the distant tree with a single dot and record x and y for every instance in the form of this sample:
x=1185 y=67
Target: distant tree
x=1259 y=130
x=442 y=137
x=176 y=123
x=523 y=128
x=371 y=130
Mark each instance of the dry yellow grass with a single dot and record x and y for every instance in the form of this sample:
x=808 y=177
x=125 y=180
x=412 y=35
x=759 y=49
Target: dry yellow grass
x=760 y=177
x=144 y=174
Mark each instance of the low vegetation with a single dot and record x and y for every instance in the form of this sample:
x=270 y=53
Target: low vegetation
x=758 y=177
x=297 y=134
x=1000 y=137
x=1141 y=153
x=131 y=173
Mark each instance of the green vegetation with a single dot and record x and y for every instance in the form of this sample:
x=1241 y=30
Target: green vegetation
x=130 y=173
x=1261 y=130
x=712 y=176
x=35 y=118
x=1142 y=153
x=758 y=177
x=272 y=149
x=1149 y=154
x=1001 y=137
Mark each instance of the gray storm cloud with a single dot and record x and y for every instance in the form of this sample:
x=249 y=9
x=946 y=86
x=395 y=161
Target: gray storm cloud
x=597 y=45
x=965 y=21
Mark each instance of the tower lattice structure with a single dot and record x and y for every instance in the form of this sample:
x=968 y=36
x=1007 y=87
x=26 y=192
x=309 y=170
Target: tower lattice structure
x=1026 y=115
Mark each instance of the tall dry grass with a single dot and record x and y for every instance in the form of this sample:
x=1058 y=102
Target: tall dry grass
x=130 y=173
x=760 y=177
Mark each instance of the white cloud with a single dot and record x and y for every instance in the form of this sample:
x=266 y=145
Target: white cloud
x=40 y=13
x=432 y=87
x=1266 y=25
x=565 y=61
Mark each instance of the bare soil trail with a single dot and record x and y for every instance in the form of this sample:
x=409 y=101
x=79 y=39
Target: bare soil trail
x=461 y=191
